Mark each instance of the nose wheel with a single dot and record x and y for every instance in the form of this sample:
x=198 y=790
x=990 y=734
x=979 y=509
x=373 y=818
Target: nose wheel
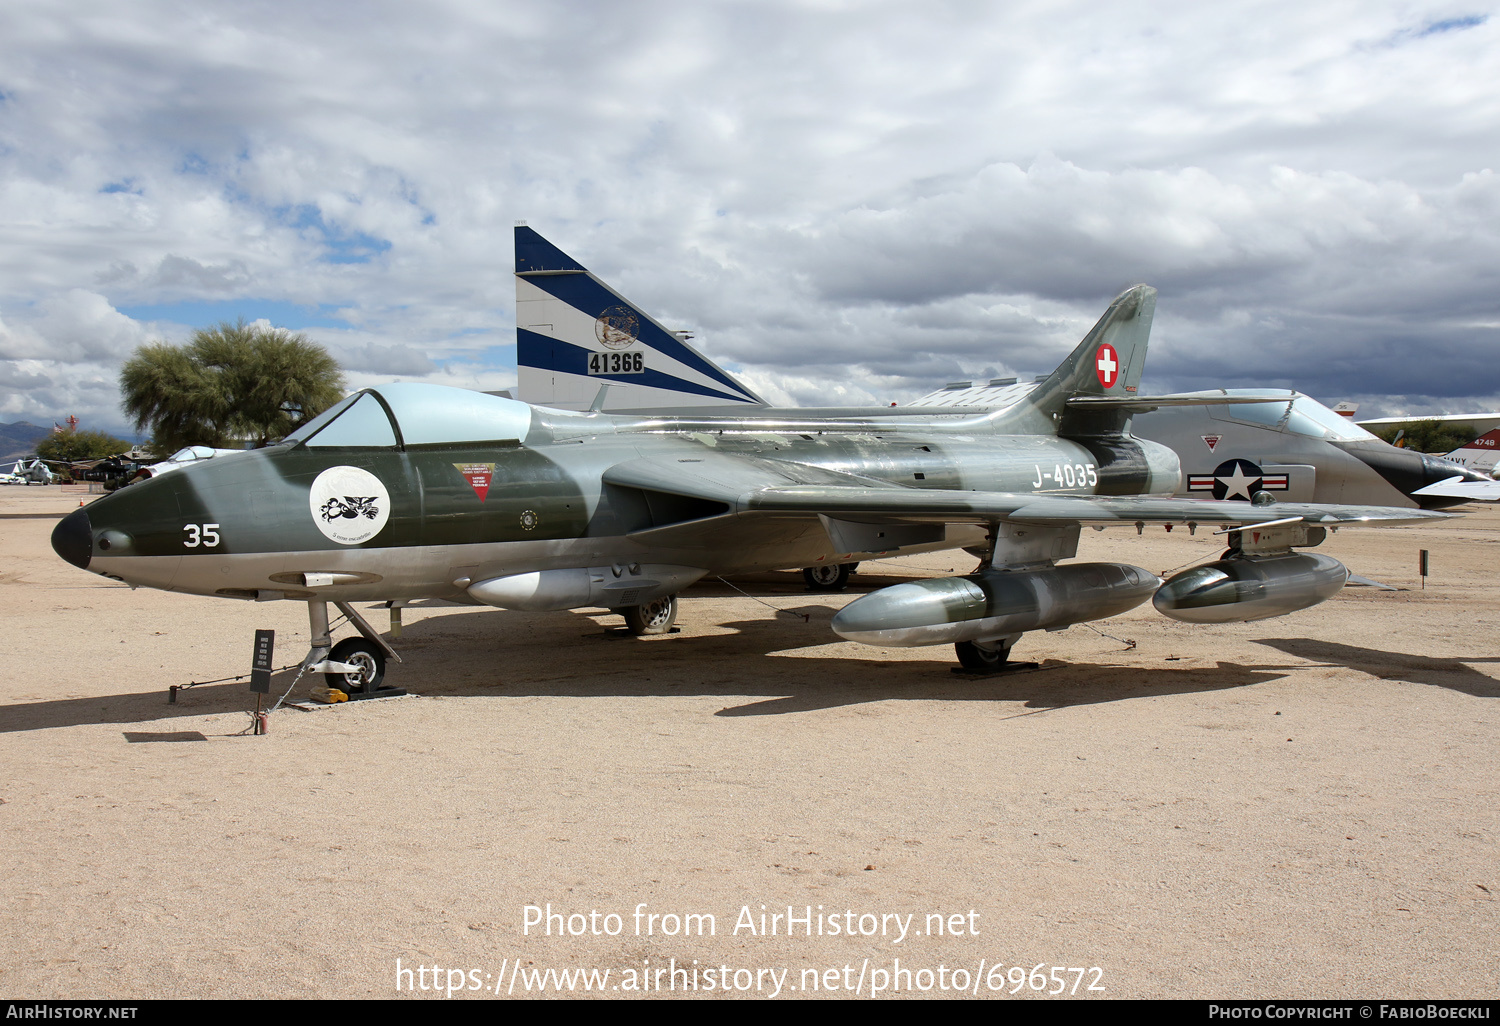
x=355 y=666
x=370 y=663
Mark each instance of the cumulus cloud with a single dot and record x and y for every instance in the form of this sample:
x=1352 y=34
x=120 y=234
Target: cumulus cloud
x=849 y=200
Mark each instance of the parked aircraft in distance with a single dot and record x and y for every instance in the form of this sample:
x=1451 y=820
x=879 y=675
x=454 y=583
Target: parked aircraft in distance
x=187 y=456
x=1290 y=446
x=28 y=472
x=410 y=491
x=1479 y=423
x=573 y=333
x=1480 y=455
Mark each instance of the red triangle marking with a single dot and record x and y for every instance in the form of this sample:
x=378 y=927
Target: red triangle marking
x=479 y=476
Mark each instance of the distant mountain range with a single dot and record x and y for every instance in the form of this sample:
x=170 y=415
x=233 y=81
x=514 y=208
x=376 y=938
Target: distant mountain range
x=19 y=439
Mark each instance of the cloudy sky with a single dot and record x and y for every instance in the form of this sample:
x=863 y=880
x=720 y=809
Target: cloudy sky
x=849 y=201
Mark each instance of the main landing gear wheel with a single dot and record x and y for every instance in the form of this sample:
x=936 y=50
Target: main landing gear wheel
x=369 y=659
x=651 y=617
x=987 y=658
x=828 y=576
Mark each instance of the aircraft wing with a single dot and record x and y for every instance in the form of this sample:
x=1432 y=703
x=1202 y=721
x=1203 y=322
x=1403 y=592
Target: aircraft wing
x=933 y=505
x=725 y=485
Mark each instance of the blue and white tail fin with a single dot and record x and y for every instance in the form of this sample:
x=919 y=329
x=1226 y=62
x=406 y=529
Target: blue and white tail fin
x=574 y=334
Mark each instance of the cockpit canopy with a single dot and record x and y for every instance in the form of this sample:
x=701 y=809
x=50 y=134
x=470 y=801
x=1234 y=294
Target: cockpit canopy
x=192 y=453
x=405 y=414
x=1295 y=412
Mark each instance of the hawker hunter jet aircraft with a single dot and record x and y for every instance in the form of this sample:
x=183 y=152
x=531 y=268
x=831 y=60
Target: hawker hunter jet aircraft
x=411 y=491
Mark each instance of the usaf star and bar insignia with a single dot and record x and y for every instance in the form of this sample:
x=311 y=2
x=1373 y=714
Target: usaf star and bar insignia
x=1236 y=479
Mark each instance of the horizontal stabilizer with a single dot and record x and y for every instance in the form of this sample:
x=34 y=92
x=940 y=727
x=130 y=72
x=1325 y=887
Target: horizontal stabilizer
x=1145 y=404
x=1458 y=488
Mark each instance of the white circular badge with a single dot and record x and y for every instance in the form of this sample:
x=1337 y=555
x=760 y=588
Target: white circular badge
x=349 y=505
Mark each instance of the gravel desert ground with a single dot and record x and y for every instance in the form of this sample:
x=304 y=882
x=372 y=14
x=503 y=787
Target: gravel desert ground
x=1299 y=807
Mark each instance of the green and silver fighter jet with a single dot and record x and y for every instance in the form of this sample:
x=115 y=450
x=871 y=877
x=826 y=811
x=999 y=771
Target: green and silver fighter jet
x=415 y=491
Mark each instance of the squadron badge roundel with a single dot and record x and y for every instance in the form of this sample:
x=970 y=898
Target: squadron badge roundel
x=349 y=505
x=617 y=327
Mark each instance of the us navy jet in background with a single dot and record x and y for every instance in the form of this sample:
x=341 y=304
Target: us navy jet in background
x=1297 y=448
x=410 y=491
x=1285 y=444
x=1288 y=445
x=1479 y=455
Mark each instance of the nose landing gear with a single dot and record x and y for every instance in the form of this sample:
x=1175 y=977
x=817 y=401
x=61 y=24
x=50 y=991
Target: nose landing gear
x=368 y=662
x=355 y=666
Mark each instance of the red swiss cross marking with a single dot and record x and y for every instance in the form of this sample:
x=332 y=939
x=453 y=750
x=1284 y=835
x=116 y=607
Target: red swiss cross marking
x=1107 y=365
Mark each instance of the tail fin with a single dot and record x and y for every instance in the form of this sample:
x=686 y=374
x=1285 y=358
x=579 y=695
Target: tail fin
x=1480 y=454
x=574 y=333
x=1108 y=363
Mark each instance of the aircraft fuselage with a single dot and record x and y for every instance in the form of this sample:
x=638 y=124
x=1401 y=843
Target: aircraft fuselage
x=256 y=525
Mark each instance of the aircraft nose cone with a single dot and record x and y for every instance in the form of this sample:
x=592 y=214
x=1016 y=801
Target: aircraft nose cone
x=73 y=538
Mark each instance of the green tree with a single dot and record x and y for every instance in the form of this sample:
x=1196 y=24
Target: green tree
x=231 y=381
x=71 y=446
x=1428 y=435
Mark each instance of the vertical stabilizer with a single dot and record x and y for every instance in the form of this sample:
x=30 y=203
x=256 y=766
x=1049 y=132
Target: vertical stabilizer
x=1481 y=454
x=1108 y=363
x=574 y=333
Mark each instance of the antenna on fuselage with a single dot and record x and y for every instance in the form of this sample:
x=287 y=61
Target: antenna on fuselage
x=597 y=406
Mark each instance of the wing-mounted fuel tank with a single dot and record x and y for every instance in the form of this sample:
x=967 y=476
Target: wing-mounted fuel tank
x=993 y=604
x=608 y=586
x=1260 y=577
